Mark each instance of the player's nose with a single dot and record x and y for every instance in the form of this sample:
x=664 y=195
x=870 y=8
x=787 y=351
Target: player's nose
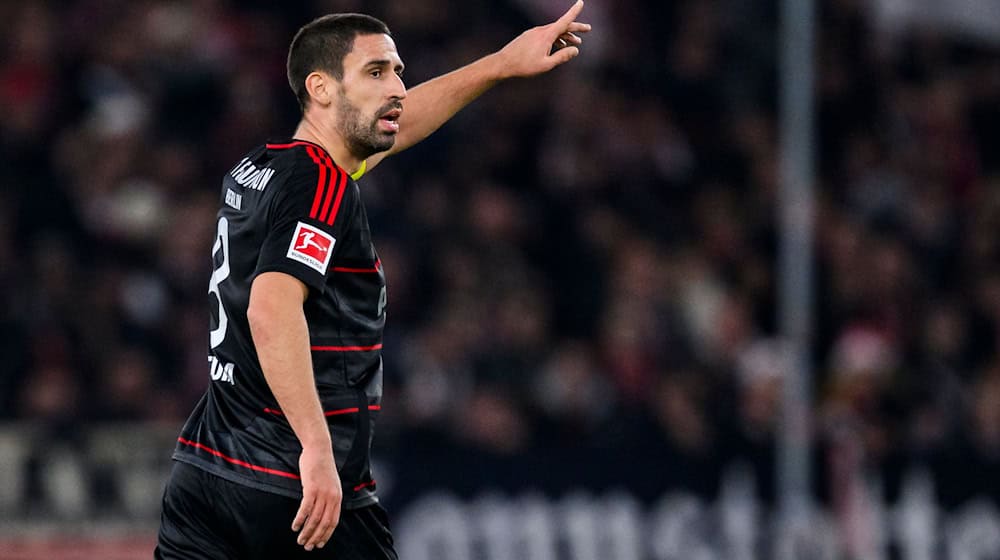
x=398 y=89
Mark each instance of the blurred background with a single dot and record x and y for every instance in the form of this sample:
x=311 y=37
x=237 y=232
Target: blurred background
x=583 y=356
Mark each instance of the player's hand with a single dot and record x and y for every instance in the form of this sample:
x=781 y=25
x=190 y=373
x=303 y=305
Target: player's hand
x=541 y=49
x=319 y=512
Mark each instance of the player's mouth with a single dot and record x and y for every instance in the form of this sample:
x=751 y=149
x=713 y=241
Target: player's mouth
x=389 y=121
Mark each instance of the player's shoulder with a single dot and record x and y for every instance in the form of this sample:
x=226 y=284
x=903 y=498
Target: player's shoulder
x=306 y=162
x=311 y=182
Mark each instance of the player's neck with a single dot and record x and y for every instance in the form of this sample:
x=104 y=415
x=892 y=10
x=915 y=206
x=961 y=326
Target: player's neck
x=331 y=141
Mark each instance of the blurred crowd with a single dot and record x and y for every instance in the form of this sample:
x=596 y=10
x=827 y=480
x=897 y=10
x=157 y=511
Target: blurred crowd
x=581 y=266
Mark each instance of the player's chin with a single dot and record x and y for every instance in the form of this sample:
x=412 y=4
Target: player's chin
x=385 y=142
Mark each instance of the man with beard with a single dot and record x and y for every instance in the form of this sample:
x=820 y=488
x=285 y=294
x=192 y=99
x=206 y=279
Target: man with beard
x=276 y=455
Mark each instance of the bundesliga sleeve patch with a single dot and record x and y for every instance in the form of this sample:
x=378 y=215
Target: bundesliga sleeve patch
x=312 y=247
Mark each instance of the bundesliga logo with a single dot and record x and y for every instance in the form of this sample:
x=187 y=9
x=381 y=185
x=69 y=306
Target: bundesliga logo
x=311 y=246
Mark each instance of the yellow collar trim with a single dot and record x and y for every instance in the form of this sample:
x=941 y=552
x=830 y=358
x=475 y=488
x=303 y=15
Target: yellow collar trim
x=360 y=171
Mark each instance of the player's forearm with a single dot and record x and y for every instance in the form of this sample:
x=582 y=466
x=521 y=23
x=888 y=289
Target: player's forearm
x=432 y=103
x=281 y=337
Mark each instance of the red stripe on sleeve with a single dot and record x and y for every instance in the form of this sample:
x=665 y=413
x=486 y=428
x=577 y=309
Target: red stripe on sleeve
x=321 y=183
x=338 y=176
x=340 y=195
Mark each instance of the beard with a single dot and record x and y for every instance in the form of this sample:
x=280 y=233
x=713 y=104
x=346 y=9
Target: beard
x=361 y=133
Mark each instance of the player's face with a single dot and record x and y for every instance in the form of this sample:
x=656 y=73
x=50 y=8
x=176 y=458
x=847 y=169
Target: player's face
x=371 y=95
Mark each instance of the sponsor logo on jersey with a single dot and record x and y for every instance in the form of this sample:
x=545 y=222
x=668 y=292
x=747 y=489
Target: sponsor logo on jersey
x=248 y=175
x=311 y=246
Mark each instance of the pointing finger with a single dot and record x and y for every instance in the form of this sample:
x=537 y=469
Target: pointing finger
x=562 y=24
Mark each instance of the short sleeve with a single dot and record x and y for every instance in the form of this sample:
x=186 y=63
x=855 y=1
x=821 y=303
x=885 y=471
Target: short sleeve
x=307 y=217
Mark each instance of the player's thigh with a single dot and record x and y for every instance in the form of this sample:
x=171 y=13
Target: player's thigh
x=189 y=523
x=205 y=516
x=264 y=520
x=363 y=534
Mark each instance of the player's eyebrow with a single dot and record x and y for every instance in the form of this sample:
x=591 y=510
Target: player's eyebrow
x=384 y=62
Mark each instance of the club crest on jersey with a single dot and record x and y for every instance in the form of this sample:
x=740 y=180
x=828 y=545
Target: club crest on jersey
x=311 y=246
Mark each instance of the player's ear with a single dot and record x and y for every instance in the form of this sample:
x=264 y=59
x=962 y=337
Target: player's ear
x=320 y=88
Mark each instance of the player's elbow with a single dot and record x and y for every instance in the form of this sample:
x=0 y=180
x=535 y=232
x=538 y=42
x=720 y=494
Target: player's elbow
x=262 y=320
x=258 y=317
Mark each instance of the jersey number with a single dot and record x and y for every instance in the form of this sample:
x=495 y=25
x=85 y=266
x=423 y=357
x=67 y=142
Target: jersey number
x=218 y=275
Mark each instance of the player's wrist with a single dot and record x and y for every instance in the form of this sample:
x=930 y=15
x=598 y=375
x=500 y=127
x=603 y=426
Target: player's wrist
x=497 y=67
x=319 y=442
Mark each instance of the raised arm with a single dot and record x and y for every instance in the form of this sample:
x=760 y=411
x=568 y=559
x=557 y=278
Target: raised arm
x=536 y=51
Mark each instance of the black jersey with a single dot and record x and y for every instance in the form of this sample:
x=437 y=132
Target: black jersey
x=288 y=207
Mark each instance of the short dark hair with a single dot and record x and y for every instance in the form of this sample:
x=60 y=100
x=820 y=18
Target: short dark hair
x=322 y=44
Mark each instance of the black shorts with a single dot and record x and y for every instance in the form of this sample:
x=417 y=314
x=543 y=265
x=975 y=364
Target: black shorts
x=208 y=517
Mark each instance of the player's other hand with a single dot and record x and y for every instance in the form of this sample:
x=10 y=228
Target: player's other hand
x=542 y=48
x=319 y=512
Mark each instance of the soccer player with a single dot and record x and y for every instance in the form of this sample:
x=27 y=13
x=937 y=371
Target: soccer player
x=274 y=462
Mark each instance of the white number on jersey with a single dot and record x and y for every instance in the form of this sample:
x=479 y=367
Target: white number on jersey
x=218 y=334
